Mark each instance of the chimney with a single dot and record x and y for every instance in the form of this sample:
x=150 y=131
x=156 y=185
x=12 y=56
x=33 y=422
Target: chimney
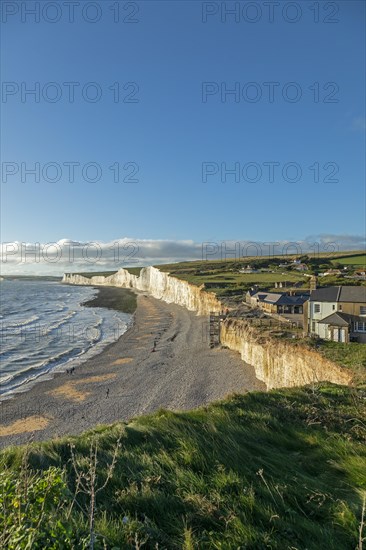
x=312 y=283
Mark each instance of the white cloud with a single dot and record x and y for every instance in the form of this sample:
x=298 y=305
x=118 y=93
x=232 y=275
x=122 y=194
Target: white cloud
x=68 y=255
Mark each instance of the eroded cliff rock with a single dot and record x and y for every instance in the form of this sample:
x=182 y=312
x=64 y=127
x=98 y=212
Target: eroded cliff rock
x=278 y=364
x=159 y=285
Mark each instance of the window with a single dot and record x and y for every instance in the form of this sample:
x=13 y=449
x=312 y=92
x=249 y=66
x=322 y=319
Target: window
x=362 y=310
x=359 y=326
x=333 y=307
x=339 y=307
x=316 y=308
x=313 y=326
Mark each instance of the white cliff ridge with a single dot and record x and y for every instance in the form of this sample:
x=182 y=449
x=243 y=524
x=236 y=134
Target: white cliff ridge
x=159 y=285
x=277 y=364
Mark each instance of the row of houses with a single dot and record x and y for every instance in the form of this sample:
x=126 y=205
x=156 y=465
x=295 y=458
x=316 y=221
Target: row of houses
x=295 y=264
x=335 y=313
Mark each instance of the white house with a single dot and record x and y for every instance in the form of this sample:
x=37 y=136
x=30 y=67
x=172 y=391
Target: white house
x=338 y=313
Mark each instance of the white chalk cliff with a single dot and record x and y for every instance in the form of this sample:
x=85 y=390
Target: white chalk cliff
x=159 y=285
x=277 y=364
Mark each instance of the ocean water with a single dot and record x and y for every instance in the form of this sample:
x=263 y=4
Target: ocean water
x=43 y=329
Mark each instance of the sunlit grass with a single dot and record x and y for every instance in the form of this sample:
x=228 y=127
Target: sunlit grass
x=280 y=469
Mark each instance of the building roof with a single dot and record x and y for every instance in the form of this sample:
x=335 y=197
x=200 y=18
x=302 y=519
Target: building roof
x=292 y=300
x=269 y=297
x=252 y=291
x=338 y=318
x=339 y=294
x=280 y=299
x=272 y=298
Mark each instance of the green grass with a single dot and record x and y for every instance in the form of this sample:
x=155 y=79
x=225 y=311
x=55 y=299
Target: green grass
x=357 y=260
x=240 y=278
x=211 y=263
x=133 y=270
x=337 y=280
x=223 y=278
x=351 y=356
x=90 y=274
x=120 y=299
x=280 y=470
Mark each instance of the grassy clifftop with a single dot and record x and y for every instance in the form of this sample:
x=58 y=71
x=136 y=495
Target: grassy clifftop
x=280 y=470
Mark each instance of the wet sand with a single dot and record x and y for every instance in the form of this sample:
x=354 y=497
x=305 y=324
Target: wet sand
x=129 y=379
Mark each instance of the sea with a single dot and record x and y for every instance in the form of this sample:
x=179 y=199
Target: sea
x=44 y=328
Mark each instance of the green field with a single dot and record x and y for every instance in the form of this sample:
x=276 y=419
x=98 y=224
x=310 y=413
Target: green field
x=221 y=283
x=120 y=299
x=223 y=278
x=358 y=261
x=280 y=470
x=351 y=356
x=90 y=274
x=349 y=253
x=240 y=261
x=239 y=278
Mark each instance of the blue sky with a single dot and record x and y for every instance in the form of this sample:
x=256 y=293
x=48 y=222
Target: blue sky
x=170 y=132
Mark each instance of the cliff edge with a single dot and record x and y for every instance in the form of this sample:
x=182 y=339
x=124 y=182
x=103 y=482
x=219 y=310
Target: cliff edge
x=277 y=364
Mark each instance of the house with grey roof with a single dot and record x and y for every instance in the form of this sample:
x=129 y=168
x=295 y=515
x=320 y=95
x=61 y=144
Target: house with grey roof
x=278 y=302
x=337 y=313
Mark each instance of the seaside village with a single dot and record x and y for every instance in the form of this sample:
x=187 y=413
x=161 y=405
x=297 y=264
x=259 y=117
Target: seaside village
x=335 y=312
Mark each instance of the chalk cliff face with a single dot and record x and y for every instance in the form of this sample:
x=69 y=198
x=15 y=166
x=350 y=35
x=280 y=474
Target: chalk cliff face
x=279 y=364
x=159 y=285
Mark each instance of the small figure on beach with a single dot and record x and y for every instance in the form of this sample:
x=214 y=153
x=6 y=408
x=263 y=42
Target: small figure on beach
x=107 y=395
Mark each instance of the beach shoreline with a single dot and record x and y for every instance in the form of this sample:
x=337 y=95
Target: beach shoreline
x=111 y=297
x=120 y=300
x=163 y=360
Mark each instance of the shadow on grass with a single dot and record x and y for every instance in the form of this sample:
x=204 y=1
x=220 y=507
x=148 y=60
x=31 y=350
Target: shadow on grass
x=283 y=469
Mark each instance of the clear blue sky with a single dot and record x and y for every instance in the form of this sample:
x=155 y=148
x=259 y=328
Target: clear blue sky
x=170 y=132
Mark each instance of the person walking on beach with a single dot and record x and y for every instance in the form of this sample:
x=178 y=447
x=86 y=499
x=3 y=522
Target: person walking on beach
x=107 y=395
